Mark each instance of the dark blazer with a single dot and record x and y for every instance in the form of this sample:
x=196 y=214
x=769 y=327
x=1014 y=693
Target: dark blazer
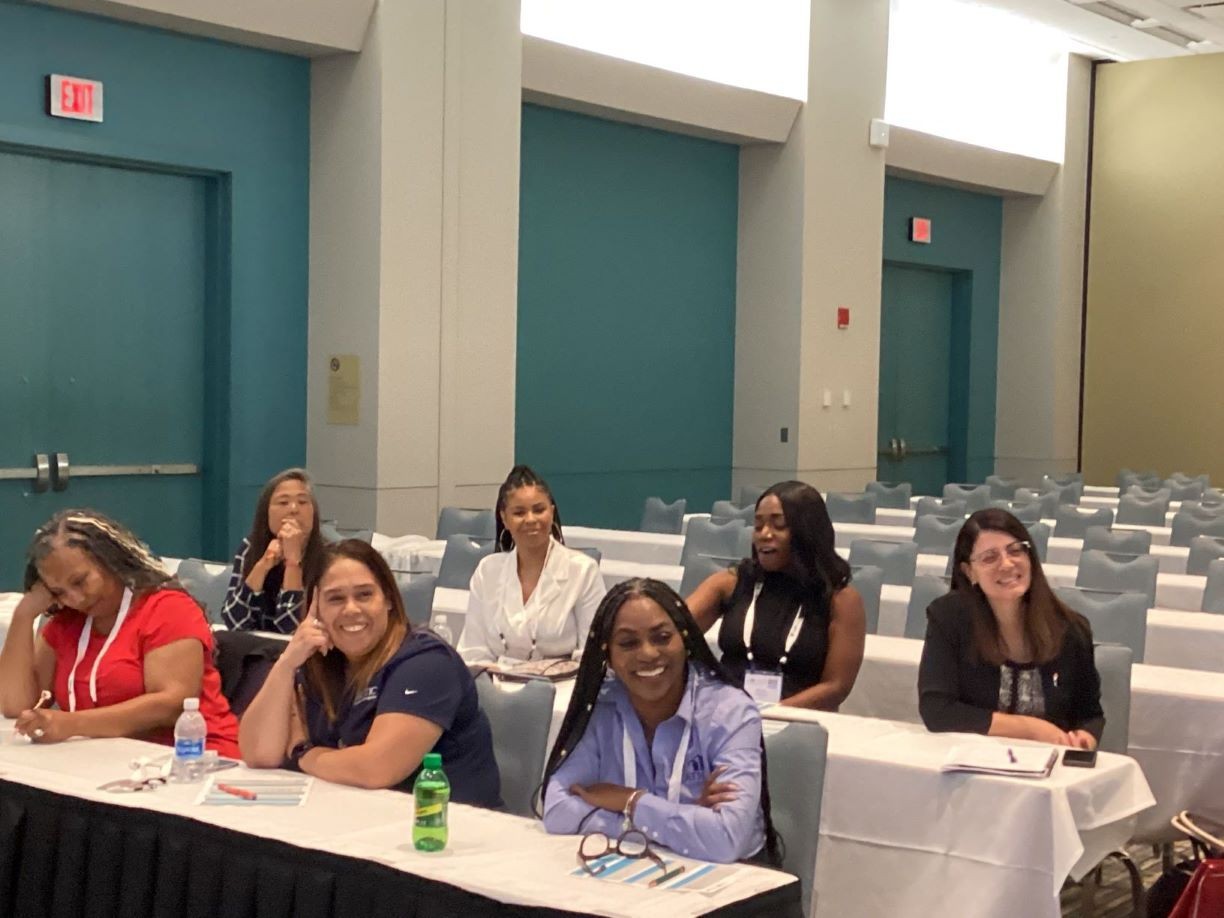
x=958 y=692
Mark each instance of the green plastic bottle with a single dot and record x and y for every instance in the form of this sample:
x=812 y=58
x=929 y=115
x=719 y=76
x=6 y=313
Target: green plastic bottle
x=432 y=794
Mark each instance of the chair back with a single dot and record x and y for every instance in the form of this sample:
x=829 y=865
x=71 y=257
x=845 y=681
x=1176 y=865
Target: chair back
x=1100 y=570
x=1213 y=496
x=1070 y=522
x=1134 y=510
x=851 y=508
x=207 y=582
x=1026 y=513
x=520 y=719
x=926 y=590
x=1126 y=541
x=940 y=506
x=935 y=535
x=796 y=757
x=243 y=660
x=724 y=511
x=1128 y=479
x=1213 y=591
x=1113 y=665
x=660 y=517
x=1185 y=489
x=1048 y=500
x=748 y=495
x=590 y=551
x=699 y=567
x=1067 y=494
x=975 y=496
x=1116 y=617
x=459 y=561
x=1039 y=535
x=1186 y=526
x=1002 y=488
x=869 y=581
x=705 y=537
x=1203 y=550
x=898 y=560
x=893 y=496
x=476 y=524
x=418 y=596
x=1063 y=479
x=1201 y=510
x=1149 y=491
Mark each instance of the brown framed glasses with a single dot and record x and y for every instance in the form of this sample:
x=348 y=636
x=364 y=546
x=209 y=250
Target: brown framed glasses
x=597 y=853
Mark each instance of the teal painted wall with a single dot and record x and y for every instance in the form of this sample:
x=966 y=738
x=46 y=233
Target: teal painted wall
x=626 y=314
x=967 y=238
x=242 y=118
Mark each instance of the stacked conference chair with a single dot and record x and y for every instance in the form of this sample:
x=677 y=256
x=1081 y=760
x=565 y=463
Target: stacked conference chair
x=925 y=590
x=1187 y=526
x=660 y=517
x=797 y=757
x=1213 y=592
x=723 y=511
x=1126 y=541
x=459 y=561
x=1070 y=521
x=975 y=496
x=935 y=535
x=893 y=496
x=1116 y=617
x=851 y=508
x=898 y=560
x=1100 y=570
x=476 y=524
x=1140 y=509
x=1047 y=500
x=940 y=506
x=520 y=721
x=1002 y=488
x=869 y=581
x=206 y=587
x=1203 y=550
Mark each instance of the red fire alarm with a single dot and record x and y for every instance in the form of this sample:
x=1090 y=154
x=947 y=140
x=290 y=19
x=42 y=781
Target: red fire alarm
x=843 y=316
x=920 y=230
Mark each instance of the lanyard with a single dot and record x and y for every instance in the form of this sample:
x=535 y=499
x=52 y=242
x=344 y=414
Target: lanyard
x=750 y=620
x=511 y=575
x=673 y=783
x=84 y=642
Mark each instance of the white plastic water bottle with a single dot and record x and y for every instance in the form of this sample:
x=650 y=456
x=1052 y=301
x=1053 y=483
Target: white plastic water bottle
x=189 y=734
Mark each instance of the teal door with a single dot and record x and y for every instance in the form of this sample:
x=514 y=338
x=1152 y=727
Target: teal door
x=915 y=373
x=102 y=309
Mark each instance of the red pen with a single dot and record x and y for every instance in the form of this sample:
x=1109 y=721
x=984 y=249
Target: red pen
x=238 y=791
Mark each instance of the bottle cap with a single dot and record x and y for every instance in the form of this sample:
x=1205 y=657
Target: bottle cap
x=191 y=704
x=432 y=760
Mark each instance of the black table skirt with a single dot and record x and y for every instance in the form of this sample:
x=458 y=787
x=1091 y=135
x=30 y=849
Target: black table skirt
x=64 y=857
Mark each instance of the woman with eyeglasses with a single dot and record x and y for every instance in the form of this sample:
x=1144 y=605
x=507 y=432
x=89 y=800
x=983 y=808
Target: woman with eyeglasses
x=265 y=590
x=657 y=740
x=1003 y=655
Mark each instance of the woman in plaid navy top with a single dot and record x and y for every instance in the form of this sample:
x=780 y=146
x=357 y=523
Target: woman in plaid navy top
x=265 y=589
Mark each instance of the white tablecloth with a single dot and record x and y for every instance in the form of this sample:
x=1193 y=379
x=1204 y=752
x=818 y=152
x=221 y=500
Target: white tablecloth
x=507 y=858
x=1176 y=725
x=899 y=838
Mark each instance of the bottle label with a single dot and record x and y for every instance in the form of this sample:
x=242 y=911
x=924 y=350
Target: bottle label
x=188 y=748
x=429 y=809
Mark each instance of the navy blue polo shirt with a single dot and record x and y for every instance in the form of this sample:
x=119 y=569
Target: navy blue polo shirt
x=427 y=679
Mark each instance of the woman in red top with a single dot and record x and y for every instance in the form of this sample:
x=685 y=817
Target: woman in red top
x=125 y=645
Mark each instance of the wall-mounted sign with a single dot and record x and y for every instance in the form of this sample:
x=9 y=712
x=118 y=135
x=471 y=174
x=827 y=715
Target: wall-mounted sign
x=73 y=97
x=920 y=230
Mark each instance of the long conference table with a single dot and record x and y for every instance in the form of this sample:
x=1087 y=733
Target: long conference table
x=71 y=849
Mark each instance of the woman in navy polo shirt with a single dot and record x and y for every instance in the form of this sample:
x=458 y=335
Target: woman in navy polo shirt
x=358 y=697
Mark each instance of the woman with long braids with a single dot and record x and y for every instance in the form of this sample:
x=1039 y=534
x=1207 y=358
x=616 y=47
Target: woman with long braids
x=533 y=598
x=793 y=628
x=124 y=647
x=663 y=742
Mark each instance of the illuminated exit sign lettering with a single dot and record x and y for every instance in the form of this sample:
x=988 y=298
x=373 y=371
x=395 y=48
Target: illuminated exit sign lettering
x=73 y=97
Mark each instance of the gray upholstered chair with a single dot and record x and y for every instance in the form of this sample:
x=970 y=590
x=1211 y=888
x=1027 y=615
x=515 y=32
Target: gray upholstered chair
x=705 y=537
x=1070 y=522
x=797 y=755
x=1186 y=488
x=898 y=560
x=749 y=495
x=1213 y=591
x=1134 y=510
x=207 y=582
x=1126 y=541
x=975 y=496
x=869 y=581
x=723 y=511
x=660 y=517
x=940 y=506
x=1186 y=526
x=1039 y=535
x=1116 y=617
x=520 y=720
x=478 y=524
x=1067 y=494
x=851 y=508
x=1203 y=550
x=1025 y=512
x=1100 y=570
x=698 y=567
x=1047 y=500
x=935 y=535
x=1001 y=487
x=925 y=590
x=1113 y=663
x=1062 y=479
x=893 y=496
x=418 y=596
x=1127 y=479
x=459 y=561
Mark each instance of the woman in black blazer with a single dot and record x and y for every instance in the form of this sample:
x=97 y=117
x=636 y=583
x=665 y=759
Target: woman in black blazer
x=1003 y=656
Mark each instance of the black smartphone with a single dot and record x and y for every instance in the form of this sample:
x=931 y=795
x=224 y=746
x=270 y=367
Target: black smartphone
x=1080 y=758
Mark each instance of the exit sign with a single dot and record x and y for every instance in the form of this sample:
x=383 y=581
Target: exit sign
x=920 y=230
x=73 y=97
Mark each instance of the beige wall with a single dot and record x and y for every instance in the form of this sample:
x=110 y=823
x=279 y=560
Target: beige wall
x=1153 y=391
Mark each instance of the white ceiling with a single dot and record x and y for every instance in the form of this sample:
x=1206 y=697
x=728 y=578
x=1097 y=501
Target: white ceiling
x=1132 y=29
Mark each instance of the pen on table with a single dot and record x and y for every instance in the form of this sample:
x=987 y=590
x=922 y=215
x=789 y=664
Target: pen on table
x=237 y=791
x=1011 y=756
x=670 y=875
x=43 y=697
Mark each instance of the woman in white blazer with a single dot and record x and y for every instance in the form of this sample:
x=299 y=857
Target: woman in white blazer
x=533 y=598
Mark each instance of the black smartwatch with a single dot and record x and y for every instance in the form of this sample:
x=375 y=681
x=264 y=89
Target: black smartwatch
x=296 y=753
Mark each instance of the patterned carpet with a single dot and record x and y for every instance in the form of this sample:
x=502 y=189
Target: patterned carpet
x=1113 y=897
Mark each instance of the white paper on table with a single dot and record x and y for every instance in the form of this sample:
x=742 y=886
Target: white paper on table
x=999 y=759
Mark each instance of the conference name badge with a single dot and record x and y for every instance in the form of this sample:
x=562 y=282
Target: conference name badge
x=765 y=687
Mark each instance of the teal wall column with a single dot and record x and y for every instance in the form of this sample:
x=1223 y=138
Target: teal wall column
x=967 y=238
x=626 y=328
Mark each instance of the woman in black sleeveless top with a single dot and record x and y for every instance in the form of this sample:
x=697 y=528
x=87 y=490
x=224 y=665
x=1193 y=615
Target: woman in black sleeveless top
x=806 y=623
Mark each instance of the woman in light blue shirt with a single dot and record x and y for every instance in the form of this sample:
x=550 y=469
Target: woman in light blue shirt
x=667 y=716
